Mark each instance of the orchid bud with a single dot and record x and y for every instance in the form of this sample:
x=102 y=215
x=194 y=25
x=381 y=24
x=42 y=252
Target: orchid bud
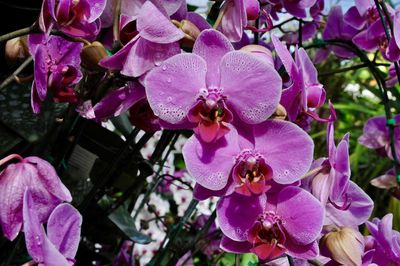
x=259 y=51
x=17 y=49
x=91 y=55
x=191 y=32
x=280 y=113
x=252 y=9
x=344 y=245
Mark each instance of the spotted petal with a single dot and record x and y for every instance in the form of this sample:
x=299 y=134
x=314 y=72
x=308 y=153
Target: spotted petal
x=252 y=87
x=172 y=88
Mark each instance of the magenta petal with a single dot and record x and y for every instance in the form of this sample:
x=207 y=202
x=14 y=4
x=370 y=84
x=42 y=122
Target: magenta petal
x=168 y=98
x=234 y=20
x=396 y=28
x=117 y=61
x=212 y=45
x=96 y=9
x=64 y=229
x=33 y=229
x=359 y=211
x=40 y=72
x=202 y=193
x=52 y=257
x=304 y=224
x=285 y=56
x=286 y=148
x=354 y=18
x=232 y=246
x=46 y=174
x=236 y=214
x=155 y=26
x=211 y=164
x=241 y=84
x=145 y=55
x=119 y=101
x=306 y=252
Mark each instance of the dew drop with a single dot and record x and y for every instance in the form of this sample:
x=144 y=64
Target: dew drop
x=164 y=67
x=169 y=99
x=169 y=80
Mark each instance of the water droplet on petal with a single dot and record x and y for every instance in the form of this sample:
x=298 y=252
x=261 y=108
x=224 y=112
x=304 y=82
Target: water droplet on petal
x=169 y=80
x=164 y=67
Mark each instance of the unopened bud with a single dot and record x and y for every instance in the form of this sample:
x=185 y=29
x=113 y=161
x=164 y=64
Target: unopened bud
x=259 y=51
x=169 y=219
x=280 y=113
x=191 y=32
x=17 y=49
x=344 y=245
x=92 y=54
x=252 y=9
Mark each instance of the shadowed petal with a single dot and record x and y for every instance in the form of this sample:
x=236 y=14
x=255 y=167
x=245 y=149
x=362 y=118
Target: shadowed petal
x=233 y=246
x=211 y=164
x=236 y=214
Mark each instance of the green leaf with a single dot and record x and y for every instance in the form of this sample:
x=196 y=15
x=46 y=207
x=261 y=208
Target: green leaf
x=249 y=259
x=123 y=220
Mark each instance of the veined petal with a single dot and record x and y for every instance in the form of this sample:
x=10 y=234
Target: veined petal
x=33 y=229
x=252 y=86
x=233 y=246
x=64 y=229
x=173 y=87
x=154 y=26
x=40 y=73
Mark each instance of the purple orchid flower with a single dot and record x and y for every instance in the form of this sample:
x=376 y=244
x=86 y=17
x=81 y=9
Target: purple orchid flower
x=296 y=8
x=220 y=85
x=336 y=28
x=75 y=18
x=41 y=179
x=386 y=241
x=376 y=136
x=114 y=103
x=57 y=68
x=305 y=94
x=156 y=40
x=59 y=246
x=233 y=20
x=249 y=167
x=345 y=203
x=271 y=226
x=365 y=17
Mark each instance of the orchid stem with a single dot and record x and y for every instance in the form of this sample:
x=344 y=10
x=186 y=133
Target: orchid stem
x=11 y=157
x=116 y=20
x=158 y=258
x=383 y=86
x=300 y=33
x=17 y=33
x=219 y=18
x=14 y=75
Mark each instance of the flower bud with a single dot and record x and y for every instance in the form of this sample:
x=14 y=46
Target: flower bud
x=280 y=113
x=91 y=55
x=252 y=9
x=260 y=52
x=344 y=245
x=17 y=49
x=191 y=32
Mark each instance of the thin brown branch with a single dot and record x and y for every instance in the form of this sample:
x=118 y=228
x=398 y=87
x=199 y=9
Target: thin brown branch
x=14 y=75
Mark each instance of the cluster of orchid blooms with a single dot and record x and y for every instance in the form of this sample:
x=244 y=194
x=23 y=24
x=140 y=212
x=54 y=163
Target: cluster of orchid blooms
x=250 y=145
